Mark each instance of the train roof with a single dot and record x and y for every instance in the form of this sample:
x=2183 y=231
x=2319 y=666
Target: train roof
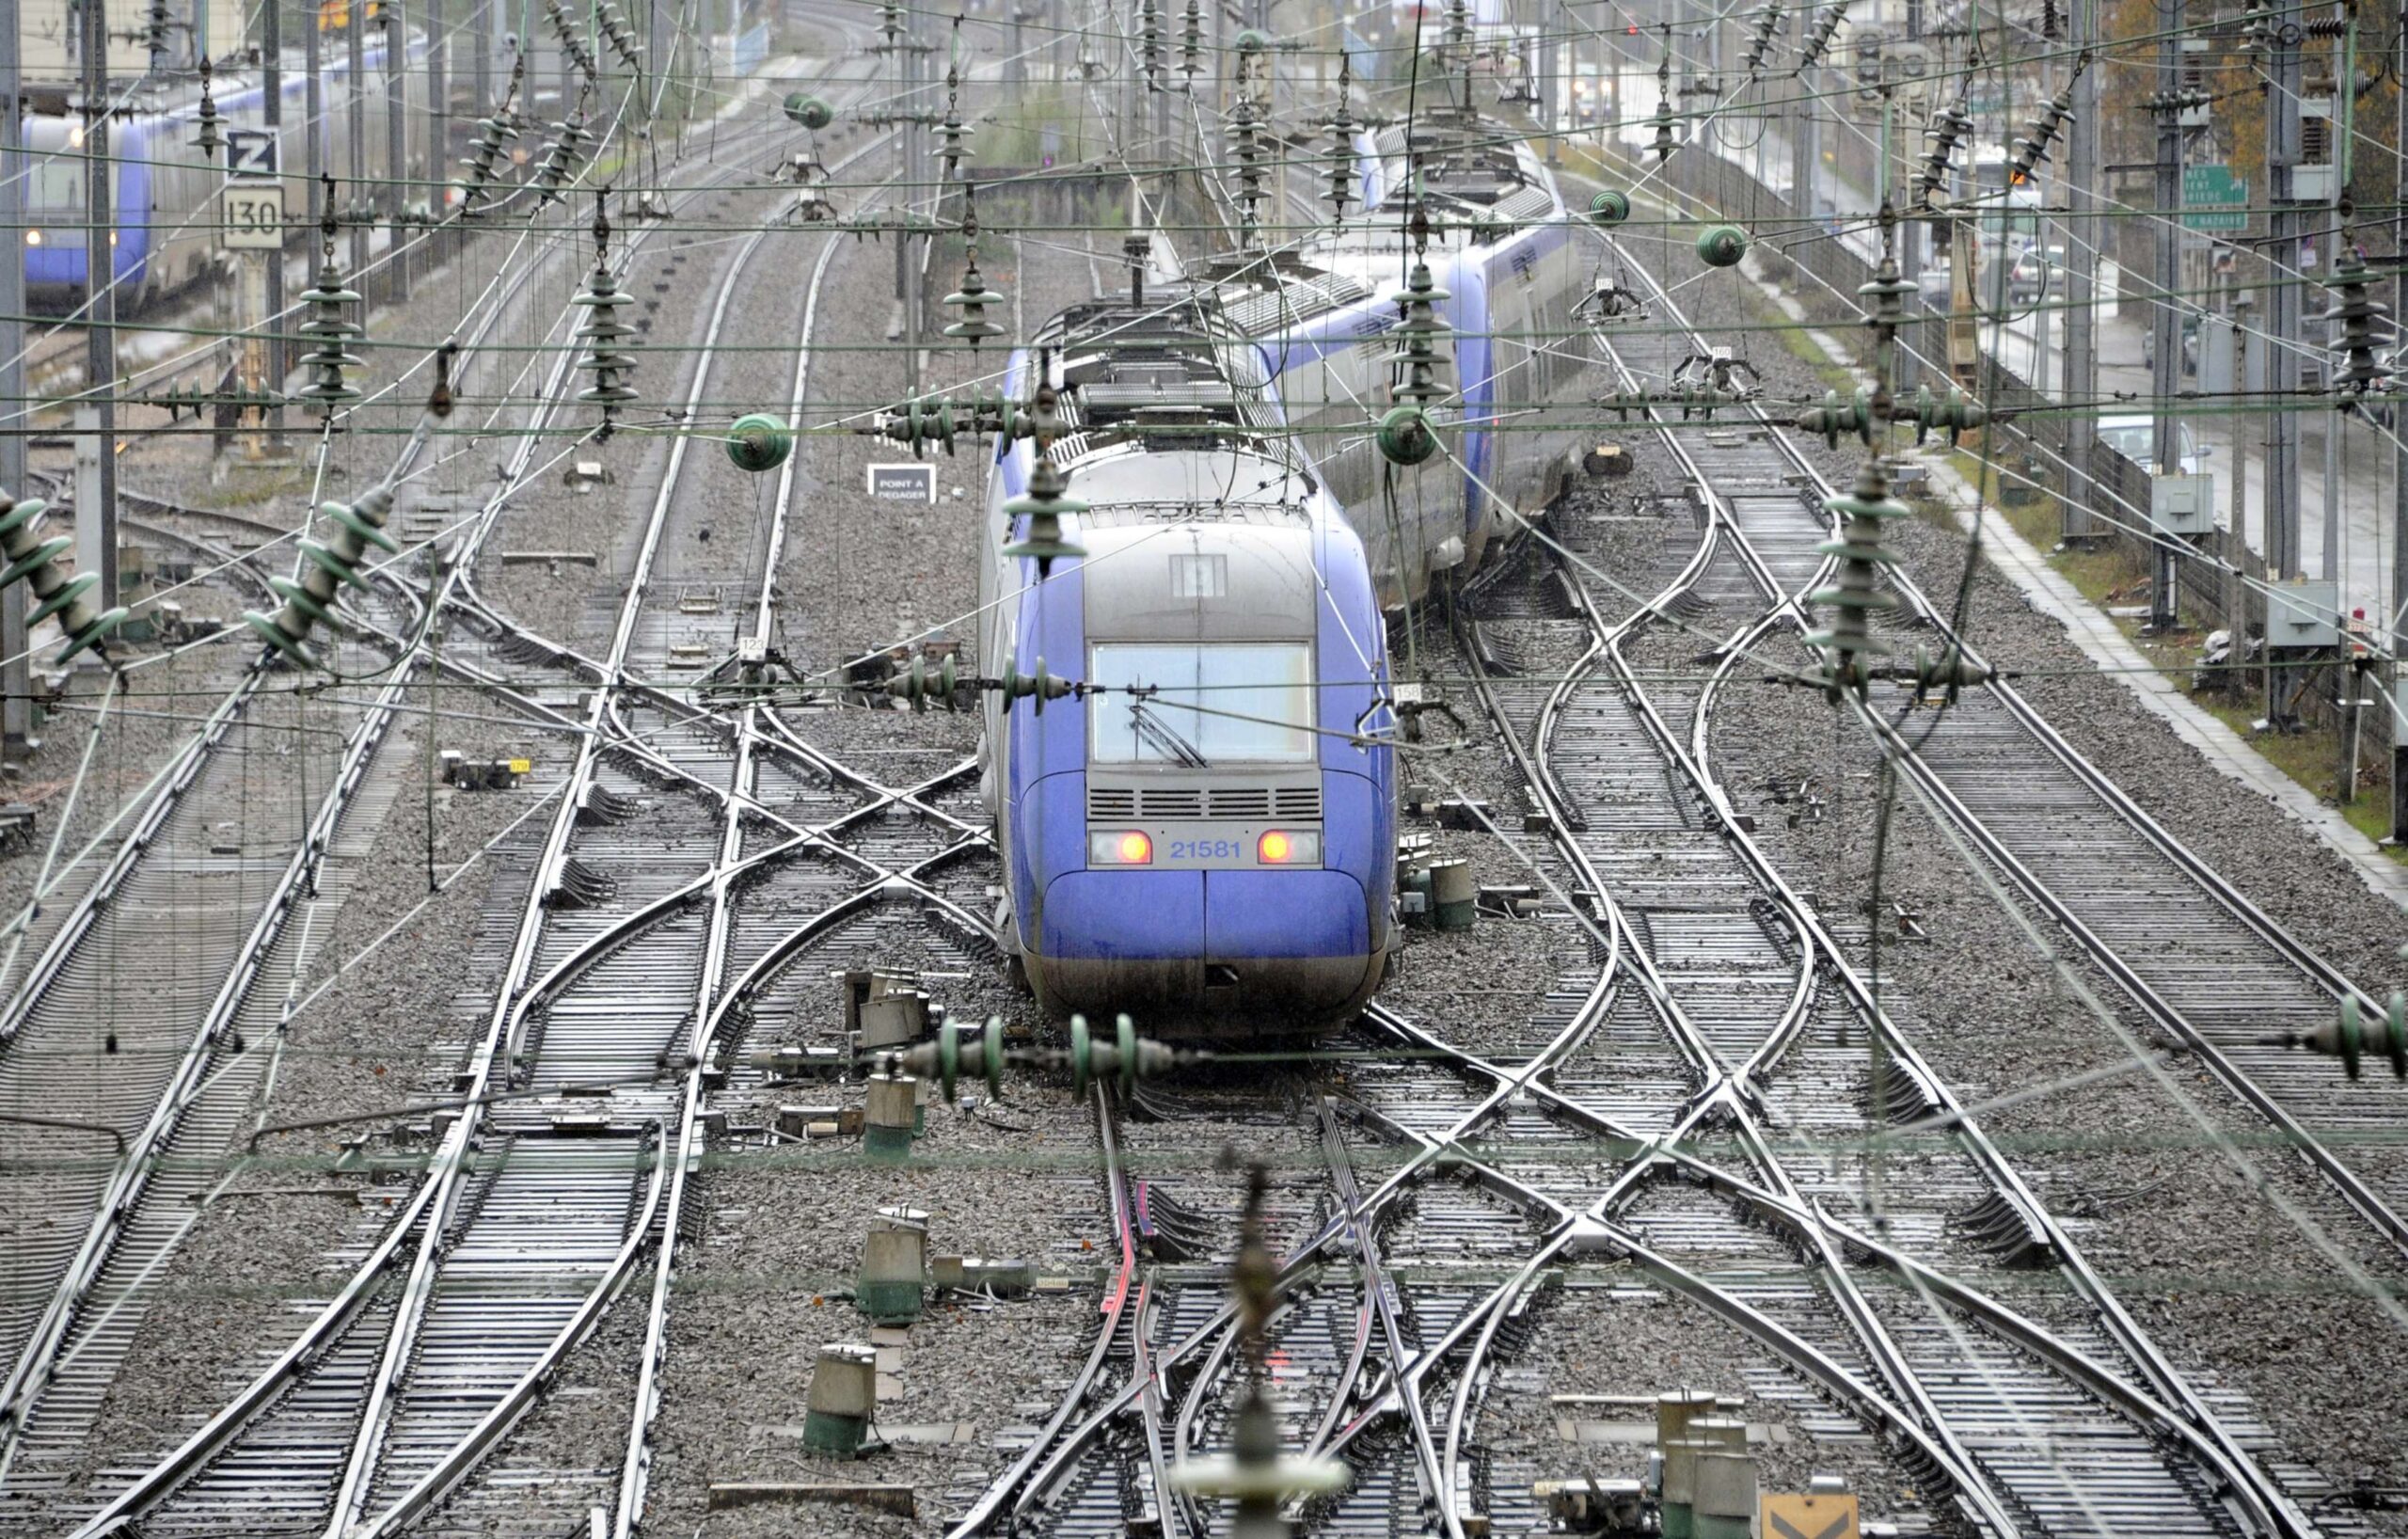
x=1478 y=181
x=1167 y=374
x=1130 y=484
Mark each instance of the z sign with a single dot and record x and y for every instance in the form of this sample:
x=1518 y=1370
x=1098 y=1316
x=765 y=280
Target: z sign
x=1793 y=1514
x=250 y=151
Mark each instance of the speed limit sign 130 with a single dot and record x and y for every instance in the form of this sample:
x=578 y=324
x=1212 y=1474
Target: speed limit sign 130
x=252 y=215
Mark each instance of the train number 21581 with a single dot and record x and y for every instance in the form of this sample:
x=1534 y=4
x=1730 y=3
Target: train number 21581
x=1204 y=850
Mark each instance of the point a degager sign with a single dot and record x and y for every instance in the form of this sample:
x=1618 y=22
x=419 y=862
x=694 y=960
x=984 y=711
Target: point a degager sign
x=903 y=482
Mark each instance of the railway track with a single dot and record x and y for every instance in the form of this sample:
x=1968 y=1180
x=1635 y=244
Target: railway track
x=630 y=977
x=2200 y=961
x=65 y=1358
x=1717 y=1014
x=1776 y=1010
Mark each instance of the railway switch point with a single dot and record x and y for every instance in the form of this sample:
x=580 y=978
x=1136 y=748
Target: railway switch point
x=844 y=1401
x=895 y=1266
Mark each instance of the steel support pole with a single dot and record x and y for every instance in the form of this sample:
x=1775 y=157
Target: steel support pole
x=2166 y=315
x=655 y=58
x=356 y=123
x=438 y=107
x=16 y=673
x=96 y=526
x=397 y=79
x=2399 y=614
x=1551 y=77
x=314 y=110
x=272 y=118
x=2288 y=227
x=1801 y=131
x=2079 y=515
x=481 y=32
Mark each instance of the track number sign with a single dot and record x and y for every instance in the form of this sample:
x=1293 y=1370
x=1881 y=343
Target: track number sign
x=251 y=215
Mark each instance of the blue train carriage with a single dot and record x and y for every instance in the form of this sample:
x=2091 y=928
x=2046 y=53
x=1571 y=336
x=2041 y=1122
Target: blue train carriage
x=1218 y=855
x=164 y=191
x=1505 y=254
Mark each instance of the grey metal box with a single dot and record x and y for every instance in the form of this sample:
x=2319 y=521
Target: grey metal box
x=2182 y=504
x=2304 y=614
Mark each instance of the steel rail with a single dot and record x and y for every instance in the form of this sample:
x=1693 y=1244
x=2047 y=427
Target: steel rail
x=2272 y=1509
x=714 y=888
x=636 y=1466
x=35 y=1364
x=1379 y=1304
x=1577 y=1231
x=1305 y=1257
x=2220 y=889
x=455 y=1466
x=1718 y=1086
x=1117 y=1316
x=220 y=1429
x=508 y=1017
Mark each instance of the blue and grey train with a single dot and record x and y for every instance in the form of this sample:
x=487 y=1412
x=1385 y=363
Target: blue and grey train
x=1507 y=258
x=1223 y=844
x=163 y=190
x=1225 y=841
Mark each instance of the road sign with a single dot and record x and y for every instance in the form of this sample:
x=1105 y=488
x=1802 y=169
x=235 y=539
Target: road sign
x=1795 y=1514
x=903 y=482
x=250 y=151
x=2206 y=188
x=250 y=216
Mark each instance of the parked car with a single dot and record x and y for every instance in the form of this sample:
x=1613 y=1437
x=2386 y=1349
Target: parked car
x=2135 y=438
x=2036 y=274
x=2190 y=340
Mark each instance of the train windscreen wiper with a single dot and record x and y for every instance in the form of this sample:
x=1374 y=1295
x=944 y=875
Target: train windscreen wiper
x=1154 y=730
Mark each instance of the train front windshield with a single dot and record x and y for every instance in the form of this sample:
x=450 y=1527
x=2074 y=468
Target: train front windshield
x=1208 y=703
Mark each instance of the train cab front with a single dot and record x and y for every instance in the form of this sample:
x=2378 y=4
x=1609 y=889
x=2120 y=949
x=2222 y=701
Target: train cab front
x=1224 y=861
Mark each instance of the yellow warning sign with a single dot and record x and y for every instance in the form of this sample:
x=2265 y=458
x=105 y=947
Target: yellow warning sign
x=1795 y=1514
